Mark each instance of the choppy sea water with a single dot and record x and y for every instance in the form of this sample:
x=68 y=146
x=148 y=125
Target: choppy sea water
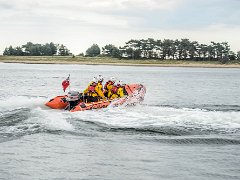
x=188 y=126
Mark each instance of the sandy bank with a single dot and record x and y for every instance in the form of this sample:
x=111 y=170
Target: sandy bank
x=113 y=62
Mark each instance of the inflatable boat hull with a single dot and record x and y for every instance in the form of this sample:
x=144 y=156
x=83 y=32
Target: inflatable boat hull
x=58 y=102
x=133 y=90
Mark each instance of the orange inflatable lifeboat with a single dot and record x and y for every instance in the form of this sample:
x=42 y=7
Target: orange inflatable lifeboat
x=134 y=91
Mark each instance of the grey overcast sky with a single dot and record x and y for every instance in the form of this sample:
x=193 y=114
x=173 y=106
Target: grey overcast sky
x=80 y=23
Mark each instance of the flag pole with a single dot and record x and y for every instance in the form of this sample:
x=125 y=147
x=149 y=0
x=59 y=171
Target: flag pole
x=69 y=82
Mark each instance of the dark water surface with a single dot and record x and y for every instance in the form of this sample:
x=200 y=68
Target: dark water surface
x=188 y=126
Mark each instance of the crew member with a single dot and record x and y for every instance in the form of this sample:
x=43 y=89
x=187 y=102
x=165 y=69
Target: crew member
x=90 y=94
x=99 y=87
x=117 y=91
x=108 y=86
x=120 y=91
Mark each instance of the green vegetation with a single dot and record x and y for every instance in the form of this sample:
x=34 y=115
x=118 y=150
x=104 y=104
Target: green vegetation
x=178 y=50
x=111 y=51
x=93 y=51
x=138 y=51
x=30 y=49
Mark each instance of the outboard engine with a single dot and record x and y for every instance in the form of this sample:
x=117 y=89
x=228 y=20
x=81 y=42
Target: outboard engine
x=73 y=98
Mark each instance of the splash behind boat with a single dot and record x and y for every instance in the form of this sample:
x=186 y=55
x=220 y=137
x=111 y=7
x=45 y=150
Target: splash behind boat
x=71 y=101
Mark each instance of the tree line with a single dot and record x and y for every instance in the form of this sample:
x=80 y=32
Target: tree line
x=30 y=49
x=183 y=49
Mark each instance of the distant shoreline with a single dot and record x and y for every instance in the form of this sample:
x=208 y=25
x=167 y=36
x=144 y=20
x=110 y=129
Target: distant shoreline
x=112 y=62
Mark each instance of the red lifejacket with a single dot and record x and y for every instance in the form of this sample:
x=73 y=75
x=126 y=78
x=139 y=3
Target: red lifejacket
x=91 y=88
x=114 y=89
